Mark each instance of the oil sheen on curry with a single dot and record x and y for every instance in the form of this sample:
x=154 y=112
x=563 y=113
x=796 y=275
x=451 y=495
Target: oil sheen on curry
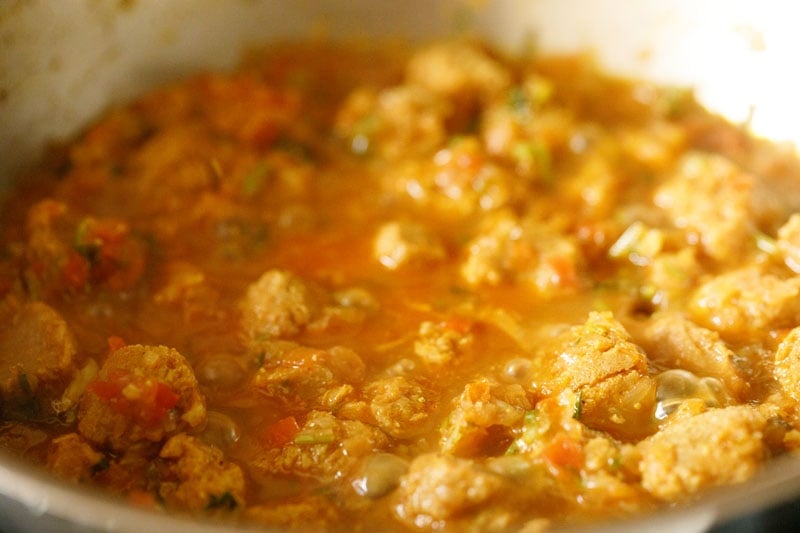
x=376 y=288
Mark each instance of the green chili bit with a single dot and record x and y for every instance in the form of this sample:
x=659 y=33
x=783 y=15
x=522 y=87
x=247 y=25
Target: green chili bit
x=254 y=180
x=226 y=500
x=518 y=100
x=577 y=409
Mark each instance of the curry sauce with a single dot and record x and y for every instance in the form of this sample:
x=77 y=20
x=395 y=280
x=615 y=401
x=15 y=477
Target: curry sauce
x=382 y=287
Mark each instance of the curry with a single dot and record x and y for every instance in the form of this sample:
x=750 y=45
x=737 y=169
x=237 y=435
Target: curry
x=382 y=288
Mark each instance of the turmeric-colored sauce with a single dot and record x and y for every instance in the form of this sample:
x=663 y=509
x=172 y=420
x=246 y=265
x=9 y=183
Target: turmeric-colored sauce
x=382 y=288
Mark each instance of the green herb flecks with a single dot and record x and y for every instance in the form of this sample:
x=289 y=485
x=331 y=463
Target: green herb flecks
x=254 y=181
x=85 y=245
x=226 y=500
x=577 y=409
x=535 y=156
x=315 y=436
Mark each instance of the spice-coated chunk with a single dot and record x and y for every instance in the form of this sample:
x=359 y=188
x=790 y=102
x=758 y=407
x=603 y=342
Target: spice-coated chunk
x=438 y=487
x=324 y=447
x=483 y=418
x=70 y=457
x=279 y=304
x=788 y=242
x=718 y=447
x=459 y=70
x=513 y=250
x=594 y=351
x=142 y=393
x=745 y=302
x=65 y=253
x=400 y=243
x=396 y=122
x=673 y=341
x=438 y=343
x=460 y=179
x=401 y=406
x=196 y=476
x=723 y=226
x=37 y=355
x=787 y=364
x=600 y=362
x=301 y=376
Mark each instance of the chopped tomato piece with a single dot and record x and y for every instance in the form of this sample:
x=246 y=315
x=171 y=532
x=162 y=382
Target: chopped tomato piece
x=115 y=343
x=140 y=498
x=564 y=453
x=144 y=400
x=165 y=398
x=459 y=325
x=105 y=390
x=76 y=271
x=280 y=433
x=564 y=270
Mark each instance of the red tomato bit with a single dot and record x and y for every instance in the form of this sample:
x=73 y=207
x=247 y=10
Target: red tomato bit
x=280 y=433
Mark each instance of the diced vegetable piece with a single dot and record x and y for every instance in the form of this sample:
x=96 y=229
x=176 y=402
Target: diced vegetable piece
x=146 y=401
x=563 y=453
x=281 y=432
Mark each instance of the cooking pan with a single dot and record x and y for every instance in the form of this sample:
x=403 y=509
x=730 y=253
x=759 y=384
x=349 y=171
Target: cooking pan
x=62 y=63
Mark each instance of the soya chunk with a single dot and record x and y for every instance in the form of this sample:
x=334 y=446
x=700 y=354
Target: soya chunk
x=485 y=415
x=279 y=304
x=438 y=487
x=187 y=288
x=438 y=343
x=400 y=243
x=509 y=249
x=724 y=225
x=37 y=355
x=142 y=393
x=459 y=70
x=324 y=447
x=787 y=364
x=717 y=447
x=599 y=361
x=788 y=242
x=521 y=126
x=594 y=351
x=71 y=458
x=673 y=341
x=196 y=476
x=395 y=122
x=301 y=376
x=459 y=179
x=746 y=303
x=65 y=253
x=400 y=406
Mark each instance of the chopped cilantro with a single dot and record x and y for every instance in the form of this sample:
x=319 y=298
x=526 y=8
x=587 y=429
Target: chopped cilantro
x=226 y=500
x=577 y=409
